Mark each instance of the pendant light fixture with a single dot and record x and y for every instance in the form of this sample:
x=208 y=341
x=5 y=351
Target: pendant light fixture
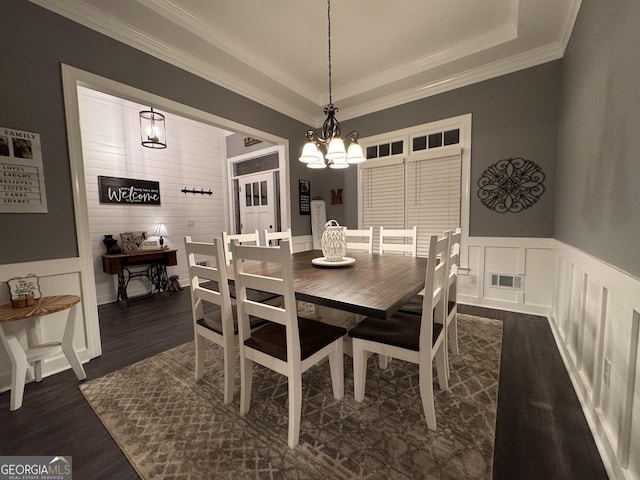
x=152 y=131
x=328 y=148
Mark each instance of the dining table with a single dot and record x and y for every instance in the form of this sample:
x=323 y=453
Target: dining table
x=371 y=284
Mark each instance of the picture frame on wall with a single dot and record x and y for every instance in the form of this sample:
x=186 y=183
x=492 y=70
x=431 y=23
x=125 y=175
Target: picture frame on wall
x=304 y=192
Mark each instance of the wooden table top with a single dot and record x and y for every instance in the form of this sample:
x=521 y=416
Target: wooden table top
x=375 y=285
x=43 y=306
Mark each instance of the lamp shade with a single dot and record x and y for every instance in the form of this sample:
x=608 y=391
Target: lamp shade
x=310 y=153
x=339 y=163
x=355 y=153
x=161 y=230
x=336 y=150
x=318 y=164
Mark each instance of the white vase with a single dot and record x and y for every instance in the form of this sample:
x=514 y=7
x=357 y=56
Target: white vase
x=334 y=243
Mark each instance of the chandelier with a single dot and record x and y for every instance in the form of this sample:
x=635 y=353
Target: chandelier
x=328 y=147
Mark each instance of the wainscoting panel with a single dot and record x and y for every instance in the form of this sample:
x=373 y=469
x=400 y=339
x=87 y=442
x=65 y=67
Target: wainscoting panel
x=527 y=260
x=596 y=322
x=56 y=277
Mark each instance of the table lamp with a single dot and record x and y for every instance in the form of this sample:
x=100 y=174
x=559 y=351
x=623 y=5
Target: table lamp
x=160 y=231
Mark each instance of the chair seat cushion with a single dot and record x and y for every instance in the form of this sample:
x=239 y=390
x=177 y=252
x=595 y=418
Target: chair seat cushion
x=314 y=335
x=401 y=330
x=213 y=320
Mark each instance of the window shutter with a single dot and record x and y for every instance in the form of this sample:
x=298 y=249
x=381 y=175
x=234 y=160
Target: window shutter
x=433 y=196
x=383 y=196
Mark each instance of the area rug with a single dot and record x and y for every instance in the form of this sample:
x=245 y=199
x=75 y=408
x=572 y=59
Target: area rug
x=171 y=427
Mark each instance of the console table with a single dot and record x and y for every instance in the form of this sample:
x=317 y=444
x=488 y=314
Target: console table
x=27 y=318
x=156 y=262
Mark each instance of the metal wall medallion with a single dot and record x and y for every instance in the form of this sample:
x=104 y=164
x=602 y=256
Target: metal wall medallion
x=511 y=185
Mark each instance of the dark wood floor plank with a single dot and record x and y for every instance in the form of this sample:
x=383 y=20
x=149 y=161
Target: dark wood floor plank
x=541 y=431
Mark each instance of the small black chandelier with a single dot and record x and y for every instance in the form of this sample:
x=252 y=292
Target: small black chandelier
x=329 y=139
x=152 y=131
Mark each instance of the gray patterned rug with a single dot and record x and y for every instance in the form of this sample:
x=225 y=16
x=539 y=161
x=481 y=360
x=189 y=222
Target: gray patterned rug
x=171 y=427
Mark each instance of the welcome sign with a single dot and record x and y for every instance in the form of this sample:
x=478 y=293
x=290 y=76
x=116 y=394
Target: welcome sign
x=128 y=191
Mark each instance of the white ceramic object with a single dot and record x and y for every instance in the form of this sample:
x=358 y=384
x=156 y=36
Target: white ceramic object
x=334 y=242
x=323 y=262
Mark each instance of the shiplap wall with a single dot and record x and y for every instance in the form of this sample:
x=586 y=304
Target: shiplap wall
x=596 y=321
x=194 y=157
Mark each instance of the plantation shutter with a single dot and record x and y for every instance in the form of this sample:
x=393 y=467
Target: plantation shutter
x=433 y=196
x=383 y=196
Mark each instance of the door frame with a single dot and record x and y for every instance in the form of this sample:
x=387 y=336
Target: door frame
x=285 y=201
x=73 y=77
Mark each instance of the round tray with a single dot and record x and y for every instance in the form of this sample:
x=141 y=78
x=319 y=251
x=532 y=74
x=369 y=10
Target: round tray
x=323 y=262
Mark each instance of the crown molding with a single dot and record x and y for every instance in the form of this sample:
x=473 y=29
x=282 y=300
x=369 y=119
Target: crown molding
x=497 y=36
x=214 y=37
x=574 y=8
x=96 y=20
x=491 y=70
x=293 y=105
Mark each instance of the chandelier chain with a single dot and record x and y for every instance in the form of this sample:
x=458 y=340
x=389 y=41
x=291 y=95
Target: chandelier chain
x=329 y=42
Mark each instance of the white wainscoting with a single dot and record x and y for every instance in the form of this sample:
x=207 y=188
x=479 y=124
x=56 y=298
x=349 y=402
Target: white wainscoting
x=530 y=258
x=56 y=277
x=595 y=319
x=302 y=243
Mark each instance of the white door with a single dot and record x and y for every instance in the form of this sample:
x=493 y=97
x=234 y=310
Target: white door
x=257 y=210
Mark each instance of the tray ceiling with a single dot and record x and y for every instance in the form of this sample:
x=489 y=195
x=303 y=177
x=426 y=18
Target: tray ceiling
x=384 y=53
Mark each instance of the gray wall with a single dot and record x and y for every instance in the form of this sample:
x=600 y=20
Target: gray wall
x=599 y=140
x=34 y=43
x=514 y=115
x=235 y=145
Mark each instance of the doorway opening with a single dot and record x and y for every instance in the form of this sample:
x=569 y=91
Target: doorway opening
x=72 y=78
x=255 y=186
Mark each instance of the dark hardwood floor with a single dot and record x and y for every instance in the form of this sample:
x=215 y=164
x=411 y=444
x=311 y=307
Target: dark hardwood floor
x=541 y=432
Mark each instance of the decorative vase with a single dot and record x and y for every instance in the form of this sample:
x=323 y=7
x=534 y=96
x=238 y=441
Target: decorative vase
x=333 y=242
x=111 y=244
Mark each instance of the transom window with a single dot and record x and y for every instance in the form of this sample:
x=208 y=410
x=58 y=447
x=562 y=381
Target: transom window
x=426 y=186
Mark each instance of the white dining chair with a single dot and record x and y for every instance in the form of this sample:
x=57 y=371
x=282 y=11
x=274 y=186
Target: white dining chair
x=359 y=239
x=452 y=291
x=399 y=241
x=273 y=239
x=252 y=238
x=420 y=340
x=288 y=344
x=214 y=317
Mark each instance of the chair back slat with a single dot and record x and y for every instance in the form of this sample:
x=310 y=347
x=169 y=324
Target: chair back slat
x=243 y=238
x=273 y=239
x=360 y=240
x=279 y=281
x=200 y=274
x=434 y=300
x=403 y=241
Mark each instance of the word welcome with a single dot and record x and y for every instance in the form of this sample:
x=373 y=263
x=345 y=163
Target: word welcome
x=132 y=195
x=128 y=191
